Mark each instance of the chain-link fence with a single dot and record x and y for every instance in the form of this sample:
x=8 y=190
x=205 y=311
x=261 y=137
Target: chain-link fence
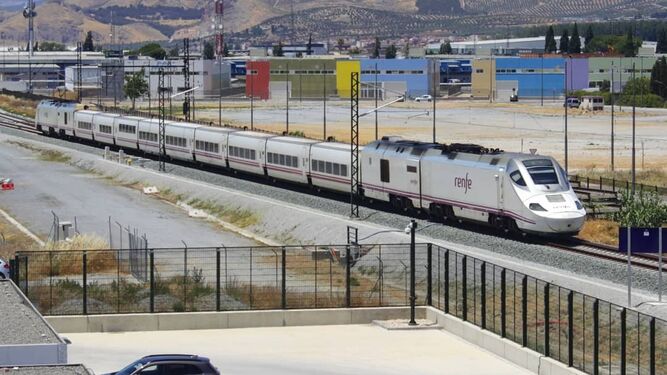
x=592 y=335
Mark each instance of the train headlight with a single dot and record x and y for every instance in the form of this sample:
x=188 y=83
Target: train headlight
x=579 y=205
x=536 y=207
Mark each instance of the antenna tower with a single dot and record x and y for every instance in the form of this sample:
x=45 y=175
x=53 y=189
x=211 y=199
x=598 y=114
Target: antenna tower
x=186 y=78
x=30 y=14
x=219 y=29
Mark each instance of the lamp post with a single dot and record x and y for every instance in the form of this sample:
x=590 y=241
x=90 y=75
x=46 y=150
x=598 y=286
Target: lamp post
x=566 y=105
x=542 y=80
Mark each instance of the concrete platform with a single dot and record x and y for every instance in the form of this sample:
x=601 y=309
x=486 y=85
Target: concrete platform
x=327 y=350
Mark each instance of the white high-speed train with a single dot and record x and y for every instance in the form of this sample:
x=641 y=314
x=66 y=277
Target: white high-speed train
x=512 y=191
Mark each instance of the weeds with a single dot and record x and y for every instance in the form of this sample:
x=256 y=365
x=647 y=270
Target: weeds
x=240 y=217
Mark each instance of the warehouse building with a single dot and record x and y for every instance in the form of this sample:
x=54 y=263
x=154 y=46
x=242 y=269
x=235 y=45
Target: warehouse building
x=398 y=77
x=529 y=77
x=600 y=69
x=301 y=78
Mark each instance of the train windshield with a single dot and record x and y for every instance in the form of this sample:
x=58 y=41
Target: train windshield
x=542 y=171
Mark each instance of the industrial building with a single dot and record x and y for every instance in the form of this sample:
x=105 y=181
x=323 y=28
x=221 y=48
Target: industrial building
x=394 y=77
x=508 y=46
x=600 y=69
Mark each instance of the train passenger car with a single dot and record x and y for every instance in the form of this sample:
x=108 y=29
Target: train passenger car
x=125 y=131
x=179 y=138
x=392 y=171
x=330 y=166
x=84 y=124
x=246 y=151
x=148 y=133
x=55 y=117
x=288 y=158
x=103 y=127
x=211 y=145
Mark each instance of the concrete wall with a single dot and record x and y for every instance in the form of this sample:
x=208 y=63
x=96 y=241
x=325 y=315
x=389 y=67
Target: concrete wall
x=226 y=319
x=524 y=357
x=483 y=77
x=344 y=71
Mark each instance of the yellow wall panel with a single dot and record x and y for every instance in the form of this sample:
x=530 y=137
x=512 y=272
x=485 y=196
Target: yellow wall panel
x=344 y=70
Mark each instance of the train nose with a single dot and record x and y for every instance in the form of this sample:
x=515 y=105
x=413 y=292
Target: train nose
x=566 y=222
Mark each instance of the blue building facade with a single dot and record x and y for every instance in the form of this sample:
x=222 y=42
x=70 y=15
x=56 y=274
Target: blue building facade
x=455 y=70
x=532 y=77
x=413 y=77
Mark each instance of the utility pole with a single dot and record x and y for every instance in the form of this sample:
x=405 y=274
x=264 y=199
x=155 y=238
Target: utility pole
x=413 y=295
x=186 y=79
x=542 y=80
x=324 y=96
x=634 y=107
x=375 y=89
x=79 y=68
x=252 y=99
x=611 y=100
x=434 y=95
x=566 y=105
x=287 y=101
x=354 y=145
x=162 y=92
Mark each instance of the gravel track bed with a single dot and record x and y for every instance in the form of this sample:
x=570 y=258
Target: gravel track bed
x=19 y=323
x=576 y=264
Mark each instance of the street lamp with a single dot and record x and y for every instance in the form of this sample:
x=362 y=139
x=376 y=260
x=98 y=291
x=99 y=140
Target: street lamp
x=410 y=229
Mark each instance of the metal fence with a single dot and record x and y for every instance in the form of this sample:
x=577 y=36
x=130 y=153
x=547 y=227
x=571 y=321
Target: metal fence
x=613 y=185
x=592 y=335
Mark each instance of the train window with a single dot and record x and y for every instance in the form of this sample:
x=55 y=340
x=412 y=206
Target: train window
x=564 y=178
x=329 y=167
x=282 y=159
x=494 y=161
x=412 y=169
x=314 y=165
x=320 y=166
x=252 y=154
x=541 y=171
x=517 y=178
x=343 y=170
x=269 y=157
x=384 y=170
x=105 y=129
x=65 y=118
x=336 y=169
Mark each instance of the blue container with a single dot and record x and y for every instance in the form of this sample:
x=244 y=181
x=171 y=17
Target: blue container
x=642 y=240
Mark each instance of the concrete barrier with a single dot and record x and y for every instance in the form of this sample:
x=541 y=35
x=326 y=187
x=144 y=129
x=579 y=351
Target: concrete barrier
x=511 y=351
x=225 y=319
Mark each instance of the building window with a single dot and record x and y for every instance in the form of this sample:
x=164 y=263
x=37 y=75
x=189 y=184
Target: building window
x=479 y=71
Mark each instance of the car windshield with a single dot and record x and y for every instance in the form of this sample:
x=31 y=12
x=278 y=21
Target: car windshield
x=542 y=171
x=134 y=366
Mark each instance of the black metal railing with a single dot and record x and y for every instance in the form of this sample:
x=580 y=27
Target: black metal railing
x=584 y=332
x=613 y=185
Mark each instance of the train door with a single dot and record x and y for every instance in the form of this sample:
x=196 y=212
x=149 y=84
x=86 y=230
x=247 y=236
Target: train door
x=500 y=188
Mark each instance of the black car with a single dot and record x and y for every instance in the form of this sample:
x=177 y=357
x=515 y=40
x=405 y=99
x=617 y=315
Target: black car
x=169 y=364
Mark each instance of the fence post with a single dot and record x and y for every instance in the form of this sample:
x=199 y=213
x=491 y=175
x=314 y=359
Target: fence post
x=596 y=336
x=447 y=282
x=547 y=325
x=348 y=296
x=570 y=328
x=503 y=303
x=85 y=283
x=152 y=276
x=524 y=311
x=217 y=279
x=600 y=182
x=623 y=341
x=14 y=270
x=483 y=294
x=652 y=347
x=464 y=287
x=429 y=274
x=283 y=288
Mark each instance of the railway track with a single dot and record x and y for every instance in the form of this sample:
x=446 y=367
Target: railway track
x=16 y=122
x=578 y=246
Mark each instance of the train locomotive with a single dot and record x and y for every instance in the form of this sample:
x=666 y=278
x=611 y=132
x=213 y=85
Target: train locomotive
x=512 y=191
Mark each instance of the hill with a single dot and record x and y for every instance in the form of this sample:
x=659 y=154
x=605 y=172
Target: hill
x=143 y=20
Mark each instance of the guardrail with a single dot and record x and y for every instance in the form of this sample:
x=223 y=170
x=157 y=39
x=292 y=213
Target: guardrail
x=584 y=332
x=612 y=185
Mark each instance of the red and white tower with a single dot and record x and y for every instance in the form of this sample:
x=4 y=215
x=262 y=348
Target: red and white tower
x=218 y=28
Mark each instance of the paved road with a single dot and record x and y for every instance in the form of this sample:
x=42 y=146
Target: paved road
x=326 y=350
x=42 y=187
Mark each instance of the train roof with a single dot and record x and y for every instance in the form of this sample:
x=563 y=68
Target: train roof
x=254 y=134
x=294 y=140
x=421 y=147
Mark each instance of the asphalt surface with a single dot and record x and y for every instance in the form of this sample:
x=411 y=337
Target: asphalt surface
x=326 y=350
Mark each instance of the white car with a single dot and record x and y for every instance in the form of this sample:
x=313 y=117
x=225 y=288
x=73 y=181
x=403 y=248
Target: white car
x=4 y=269
x=424 y=98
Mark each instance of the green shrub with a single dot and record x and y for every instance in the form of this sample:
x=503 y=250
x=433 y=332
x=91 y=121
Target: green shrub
x=643 y=209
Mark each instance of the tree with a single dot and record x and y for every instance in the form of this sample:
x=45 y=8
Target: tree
x=209 y=51
x=445 y=48
x=278 y=49
x=309 y=50
x=575 y=43
x=564 y=42
x=550 y=41
x=135 y=86
x=588 y=37
x=390 y=53
x=173 y=52
x=88 y=45
x=153 y=50
x=406 y=50
x=659 y=77
x=661 y=46
x=629 y=48
x=51 y=46
x=376 y=48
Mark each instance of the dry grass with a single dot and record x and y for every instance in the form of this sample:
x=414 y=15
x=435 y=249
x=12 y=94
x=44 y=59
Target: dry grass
x=240 y=217
x=13 y=240
x=651 y=177
x=54 y=260
x=23 y=107
x=44 y=154
x=600 y=231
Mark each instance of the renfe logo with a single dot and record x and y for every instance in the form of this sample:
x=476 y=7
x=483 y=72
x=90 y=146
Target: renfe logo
x=463 y=183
